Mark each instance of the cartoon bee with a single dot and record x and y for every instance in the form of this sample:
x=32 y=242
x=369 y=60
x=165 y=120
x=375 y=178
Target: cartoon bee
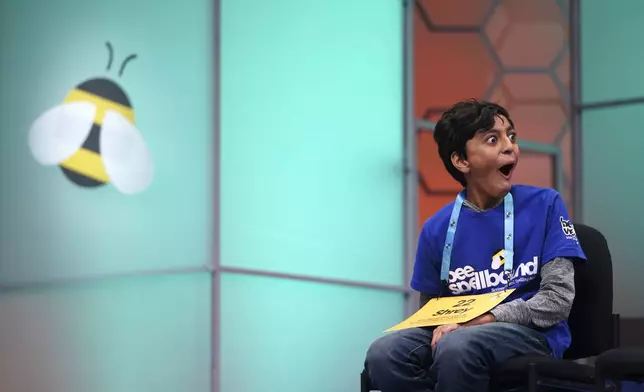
x=91 y=136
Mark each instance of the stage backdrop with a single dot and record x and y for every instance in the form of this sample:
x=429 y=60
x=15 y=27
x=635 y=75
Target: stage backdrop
x=61 y=330
x=103 y=289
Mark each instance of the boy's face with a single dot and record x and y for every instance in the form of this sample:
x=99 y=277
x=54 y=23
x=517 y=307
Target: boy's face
x=492 y=157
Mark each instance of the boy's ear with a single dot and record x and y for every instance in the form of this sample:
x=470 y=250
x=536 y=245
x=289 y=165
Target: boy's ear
x=460 y=163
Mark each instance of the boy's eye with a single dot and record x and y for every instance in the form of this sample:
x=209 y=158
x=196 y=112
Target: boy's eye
x=513 y=137
x=491 y=139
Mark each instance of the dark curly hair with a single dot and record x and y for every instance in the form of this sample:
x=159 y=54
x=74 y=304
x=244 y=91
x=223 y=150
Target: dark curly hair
x=459 y=124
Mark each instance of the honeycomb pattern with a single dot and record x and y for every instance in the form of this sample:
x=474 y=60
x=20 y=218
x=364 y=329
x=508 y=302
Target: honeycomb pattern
x=535 y=103
x=514 y=52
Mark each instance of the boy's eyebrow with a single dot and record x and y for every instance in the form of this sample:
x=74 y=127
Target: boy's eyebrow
x=484 y=132
x=507 y=129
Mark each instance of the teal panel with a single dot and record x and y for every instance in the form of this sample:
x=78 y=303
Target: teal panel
x=53 y=228
x=613 y=194
x=286 y=335
x=610 y=61
x=312 y=138
x=132 y=335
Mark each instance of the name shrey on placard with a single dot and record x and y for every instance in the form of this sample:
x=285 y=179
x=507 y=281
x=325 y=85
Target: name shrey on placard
x=448 y=310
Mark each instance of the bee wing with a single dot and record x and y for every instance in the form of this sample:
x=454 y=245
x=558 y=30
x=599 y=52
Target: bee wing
x=60 y=131
x=127 y=160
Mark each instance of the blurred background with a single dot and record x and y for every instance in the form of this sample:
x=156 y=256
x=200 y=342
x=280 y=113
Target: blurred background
x=294 y=164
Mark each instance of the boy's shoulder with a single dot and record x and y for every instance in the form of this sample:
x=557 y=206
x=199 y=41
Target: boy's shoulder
x=532 y=190
x=439 y=218
x=522 y=194
x=528 y=194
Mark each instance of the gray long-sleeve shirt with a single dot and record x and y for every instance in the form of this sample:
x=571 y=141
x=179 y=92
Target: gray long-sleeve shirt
x=549 y=306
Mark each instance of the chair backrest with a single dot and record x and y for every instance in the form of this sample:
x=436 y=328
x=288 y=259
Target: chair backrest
x=591 y=316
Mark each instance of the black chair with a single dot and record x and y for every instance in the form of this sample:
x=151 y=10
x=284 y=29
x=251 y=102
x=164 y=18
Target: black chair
x=592 y=326
x=365 y=383
x=620 y=364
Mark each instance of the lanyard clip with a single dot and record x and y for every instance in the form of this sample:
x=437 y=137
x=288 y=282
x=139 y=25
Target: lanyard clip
x=508 y=278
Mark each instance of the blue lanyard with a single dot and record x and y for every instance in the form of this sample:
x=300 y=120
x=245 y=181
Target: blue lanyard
x=508 y=226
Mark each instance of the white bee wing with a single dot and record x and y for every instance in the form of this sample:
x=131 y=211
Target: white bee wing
x=61 y=131
x=125 y=155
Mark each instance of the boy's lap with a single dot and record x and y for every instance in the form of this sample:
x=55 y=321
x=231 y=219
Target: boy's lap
x=403 y=341
x=501 y=340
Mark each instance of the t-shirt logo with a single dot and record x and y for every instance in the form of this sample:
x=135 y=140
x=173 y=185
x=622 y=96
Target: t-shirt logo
x=568 y=228
x=498 y=259
x=493 y=278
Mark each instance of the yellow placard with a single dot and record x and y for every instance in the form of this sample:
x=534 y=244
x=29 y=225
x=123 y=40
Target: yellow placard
x=449 y=310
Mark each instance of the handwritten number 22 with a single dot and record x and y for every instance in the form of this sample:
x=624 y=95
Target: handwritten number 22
x=463 y=302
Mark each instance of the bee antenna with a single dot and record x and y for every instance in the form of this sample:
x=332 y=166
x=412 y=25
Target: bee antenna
x=111 y=52
x=130 y=57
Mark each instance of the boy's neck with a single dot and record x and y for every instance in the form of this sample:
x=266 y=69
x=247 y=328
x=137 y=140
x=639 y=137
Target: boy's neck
x=482 y=200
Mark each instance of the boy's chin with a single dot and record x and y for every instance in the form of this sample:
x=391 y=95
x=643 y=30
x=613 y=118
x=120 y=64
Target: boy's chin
x=504 y=187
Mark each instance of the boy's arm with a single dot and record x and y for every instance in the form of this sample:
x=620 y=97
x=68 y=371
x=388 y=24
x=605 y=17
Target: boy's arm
x=550 y=305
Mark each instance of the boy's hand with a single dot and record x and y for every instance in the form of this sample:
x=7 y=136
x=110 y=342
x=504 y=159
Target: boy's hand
x=480 y=320
x=440 y=331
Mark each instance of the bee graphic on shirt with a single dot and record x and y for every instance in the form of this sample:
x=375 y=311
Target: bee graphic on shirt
x=92 y=138
x=498 y=259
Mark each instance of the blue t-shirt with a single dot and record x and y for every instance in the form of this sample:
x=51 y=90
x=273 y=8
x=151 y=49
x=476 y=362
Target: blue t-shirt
x=542 y=232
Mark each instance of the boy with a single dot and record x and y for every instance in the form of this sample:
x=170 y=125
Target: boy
x=494 y=236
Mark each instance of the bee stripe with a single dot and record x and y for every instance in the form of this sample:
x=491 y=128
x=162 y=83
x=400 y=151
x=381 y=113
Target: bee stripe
x=87 y=163
x=102 y=105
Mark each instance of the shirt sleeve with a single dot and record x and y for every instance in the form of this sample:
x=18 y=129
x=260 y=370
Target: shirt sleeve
x=550 y=305
x=426 y=276
x=560 y=237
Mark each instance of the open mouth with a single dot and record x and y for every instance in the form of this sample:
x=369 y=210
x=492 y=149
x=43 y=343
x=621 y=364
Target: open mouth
x=506 y=170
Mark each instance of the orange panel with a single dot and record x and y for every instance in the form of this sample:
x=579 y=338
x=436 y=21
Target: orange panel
x=530 y=39
x=429 y=205
x=433 y=115
x=535 y=105
x=431 y=167
x=448 y=67
x=455 y=12
x=539 y=122
x=534 y=87
x=534 y=169
x=527 y=33
x=501 y=95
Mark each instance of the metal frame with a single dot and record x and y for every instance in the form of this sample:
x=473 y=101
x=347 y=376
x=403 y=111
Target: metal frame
x=575 y=112
x=215 y=280
x=411 y=169
x=14 y=286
